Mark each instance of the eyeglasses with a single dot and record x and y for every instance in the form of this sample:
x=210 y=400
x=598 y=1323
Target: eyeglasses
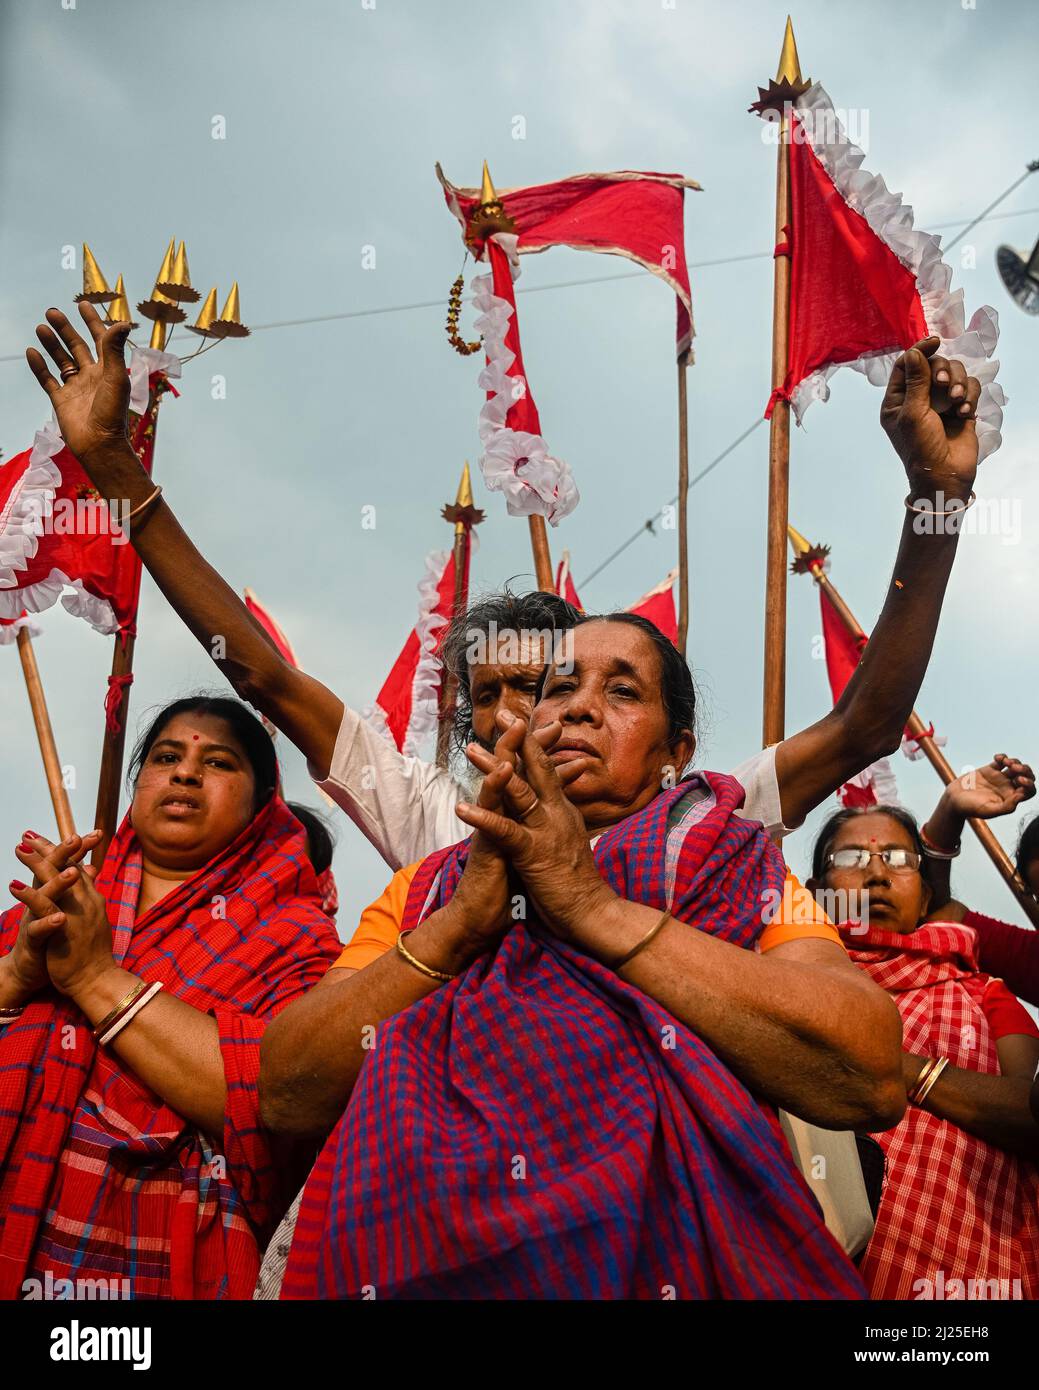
x=856 y=858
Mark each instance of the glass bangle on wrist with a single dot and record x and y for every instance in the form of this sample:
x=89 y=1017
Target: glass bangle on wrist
x=934 y=851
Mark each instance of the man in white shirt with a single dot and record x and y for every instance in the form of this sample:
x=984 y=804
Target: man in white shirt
x=406 y=807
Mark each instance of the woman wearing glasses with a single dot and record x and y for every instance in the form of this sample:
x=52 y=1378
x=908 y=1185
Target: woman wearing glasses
x=960 y=1213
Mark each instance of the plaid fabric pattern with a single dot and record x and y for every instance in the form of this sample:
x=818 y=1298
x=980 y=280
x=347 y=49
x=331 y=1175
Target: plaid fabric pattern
x=98 y=1178
x=952 y=1202
x=539 y=1129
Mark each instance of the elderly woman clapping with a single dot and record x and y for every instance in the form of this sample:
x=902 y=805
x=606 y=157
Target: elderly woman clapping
x=570 y=1091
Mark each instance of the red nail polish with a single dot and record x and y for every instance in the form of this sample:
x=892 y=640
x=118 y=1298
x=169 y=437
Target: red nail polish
x=30 y=835
x=16 y=885
x=25 y=849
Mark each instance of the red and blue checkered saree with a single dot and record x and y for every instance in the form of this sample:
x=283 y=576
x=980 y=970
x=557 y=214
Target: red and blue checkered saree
x=99 y=1180
x=540 y=1129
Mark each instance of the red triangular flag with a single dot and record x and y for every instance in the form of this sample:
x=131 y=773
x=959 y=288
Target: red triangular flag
x=864 y=283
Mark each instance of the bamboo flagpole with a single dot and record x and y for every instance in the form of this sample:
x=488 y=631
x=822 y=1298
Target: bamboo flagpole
x=465 y=516
x=117 y=700
x=683 y=502
x=810 y=559
x=774 y=105
x=45 y=735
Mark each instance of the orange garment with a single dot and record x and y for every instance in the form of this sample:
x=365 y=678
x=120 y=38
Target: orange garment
x=797 y=917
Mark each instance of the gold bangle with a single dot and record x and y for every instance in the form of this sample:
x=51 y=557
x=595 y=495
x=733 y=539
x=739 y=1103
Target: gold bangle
x=139 y=987
x=921 y=1080
x=641 y=945
x=925 y=1091
x=426 y=970
x=143 y=506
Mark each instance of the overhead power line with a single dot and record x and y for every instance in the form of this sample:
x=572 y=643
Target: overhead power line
x=591 y=280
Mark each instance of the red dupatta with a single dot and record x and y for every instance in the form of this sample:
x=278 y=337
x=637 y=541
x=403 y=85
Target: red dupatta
x=99 y=1180
x=957 y=1212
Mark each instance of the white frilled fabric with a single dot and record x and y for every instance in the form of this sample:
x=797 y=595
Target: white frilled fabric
x=425 y=687
x=892 y=220
x=28 y=511
x=9 y=630
x=878 y=779
x=143 y=362
x=514 y=462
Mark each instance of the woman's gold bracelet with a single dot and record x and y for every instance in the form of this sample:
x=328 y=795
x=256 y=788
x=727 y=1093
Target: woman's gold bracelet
x=926 y=1080
x=641 y=945
x=426 y=970
x=138 y=988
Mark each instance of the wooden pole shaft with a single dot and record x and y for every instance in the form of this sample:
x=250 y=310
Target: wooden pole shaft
x=542 y=554
x=934 y=755
x=449 y=684
x=774 y=702
x=683 y=502
x=45 y=735
x=111 y=773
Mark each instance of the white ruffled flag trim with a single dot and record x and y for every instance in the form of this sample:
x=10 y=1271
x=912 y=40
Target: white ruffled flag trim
x=514 y=462
x=972 y=344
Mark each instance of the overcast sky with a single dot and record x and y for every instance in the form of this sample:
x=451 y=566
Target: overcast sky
x=335 y=112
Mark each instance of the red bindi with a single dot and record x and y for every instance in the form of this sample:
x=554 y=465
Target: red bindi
x=195 y=737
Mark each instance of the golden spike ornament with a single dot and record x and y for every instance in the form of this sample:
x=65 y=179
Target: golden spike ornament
x=787 y=85
x=177 y=285
x=119 y=309
x=462 y=511
x=229 y=324
x=490 y=215
x=95 y=286
x=206 y=315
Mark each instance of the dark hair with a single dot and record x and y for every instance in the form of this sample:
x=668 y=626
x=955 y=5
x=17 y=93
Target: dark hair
x=320 y=840
x=537 y=611
x=677 y=691
x=1028 y=847
x=828 y=834
x=256 y=742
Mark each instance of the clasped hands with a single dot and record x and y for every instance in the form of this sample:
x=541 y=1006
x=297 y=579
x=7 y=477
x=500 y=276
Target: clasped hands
x=65 y=938
x=523 y=821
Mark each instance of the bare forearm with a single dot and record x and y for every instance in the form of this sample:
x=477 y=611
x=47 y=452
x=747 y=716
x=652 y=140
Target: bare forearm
x=301 y=707
x=868 y=719
x=820 y=1043
x=880 y=696
x=173 y=1048
x=207 y=604
x=994 y=1108
x=313 y=1052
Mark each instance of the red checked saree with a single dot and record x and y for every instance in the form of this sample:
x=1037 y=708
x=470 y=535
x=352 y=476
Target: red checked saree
x=540 y=1129
x=957 y=1213
x=99 y=1180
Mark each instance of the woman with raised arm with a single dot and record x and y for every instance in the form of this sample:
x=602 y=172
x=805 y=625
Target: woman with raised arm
x=131 y=1012
x=959 y=1217
x=558 y=1044
x=1005 y=950
x=407 y=809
